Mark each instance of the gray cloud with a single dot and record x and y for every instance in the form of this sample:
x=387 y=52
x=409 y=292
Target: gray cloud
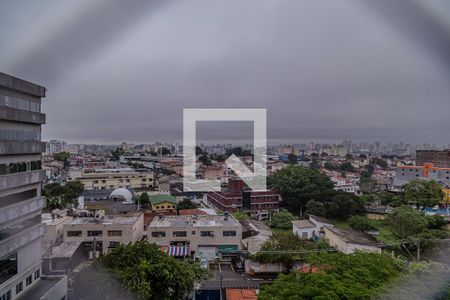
x=323 y=70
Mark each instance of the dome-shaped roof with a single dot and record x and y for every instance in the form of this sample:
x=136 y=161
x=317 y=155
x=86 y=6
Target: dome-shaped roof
x=122 y=193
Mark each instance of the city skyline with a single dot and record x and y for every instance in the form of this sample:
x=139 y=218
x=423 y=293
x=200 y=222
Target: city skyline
x=111 y=79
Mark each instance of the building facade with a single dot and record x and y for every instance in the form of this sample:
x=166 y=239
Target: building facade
x=113 y=178
x=201 y=236
x=428 y=172
x=238 y=197
x=20 y=191
x=105 y=233
x=440 y=159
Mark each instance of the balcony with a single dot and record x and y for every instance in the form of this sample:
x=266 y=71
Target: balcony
x=20 y=209
x=20 y=179
x=18 y=115
x=21 y=147
x=15 y=237
x=47 y=288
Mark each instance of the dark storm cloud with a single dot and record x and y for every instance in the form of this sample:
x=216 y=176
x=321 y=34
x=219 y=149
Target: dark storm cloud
x=323 y=70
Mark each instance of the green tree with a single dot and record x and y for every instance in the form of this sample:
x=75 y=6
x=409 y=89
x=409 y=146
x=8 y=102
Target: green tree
x=186 y=203
x=62 y=157
x=406 y=222
x=339 y=276
x=423 y=193
x=344 y=205
x=144 y=200
x=62 y=196
x=298 y=185
x=316 y=208
x=147 y=271
x=292 y=159
x=280 y=247
x=115 y=155
x=240 y=216
x=282 y=219
x=204 y=159
x=436 y=222
x=360 y=223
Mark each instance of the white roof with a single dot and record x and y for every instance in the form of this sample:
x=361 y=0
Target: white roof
x=122 y=192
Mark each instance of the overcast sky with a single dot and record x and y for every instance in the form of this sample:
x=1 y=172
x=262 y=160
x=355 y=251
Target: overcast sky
x=124 y=70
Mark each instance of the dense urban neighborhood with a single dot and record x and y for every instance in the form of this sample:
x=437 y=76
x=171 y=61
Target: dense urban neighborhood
x=224 y=150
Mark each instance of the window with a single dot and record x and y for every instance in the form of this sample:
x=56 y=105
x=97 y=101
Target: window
x=94 y=233
x=76 y=233
x=159 y=234
x=6 y=296
x=19 y=287
x=8 y=267
x=229 y=233
x=29 y=280
x=179 y=233
x=207 y=233
x=37 y=274
x=114 y=232
x=193 y=232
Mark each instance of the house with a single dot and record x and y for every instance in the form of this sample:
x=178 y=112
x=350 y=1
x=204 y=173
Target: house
x=312 y=228
x=347 y=241
x=163 y=203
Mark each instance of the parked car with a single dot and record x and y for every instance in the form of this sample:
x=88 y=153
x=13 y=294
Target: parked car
x=238 y=264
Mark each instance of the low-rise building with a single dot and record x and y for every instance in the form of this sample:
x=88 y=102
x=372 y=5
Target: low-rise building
x=105 y=233
x=113 y=178
x=427 y=171
x=202 y=236
x=313 y=228
x=347 y=241
x=163 y=203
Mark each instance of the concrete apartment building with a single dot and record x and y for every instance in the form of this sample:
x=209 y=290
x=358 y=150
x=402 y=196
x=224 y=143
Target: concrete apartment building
x=428 y=172
x=201 y=236
x=20 y=194
x=439 y=159
x=113 y=178
x=106 y=232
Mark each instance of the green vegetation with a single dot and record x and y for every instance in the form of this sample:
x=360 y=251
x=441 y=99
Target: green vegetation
x=143 y=271
x=62 y=157
x=62 y=196
x=423 y=193
x=292 y=159
x=281 y=219
x=144 y=200
x=283 y=242
x=204 y=159
x=238 y=152
x=406 y=222
x=115 y=155
x=240 y=216
x=360 y=223
x=337 y=276
x=186 y=203
x=298 y=185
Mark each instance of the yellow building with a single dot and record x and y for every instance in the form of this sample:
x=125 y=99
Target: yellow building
x=113 y=179
x=446 y=196
x=163 y=203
